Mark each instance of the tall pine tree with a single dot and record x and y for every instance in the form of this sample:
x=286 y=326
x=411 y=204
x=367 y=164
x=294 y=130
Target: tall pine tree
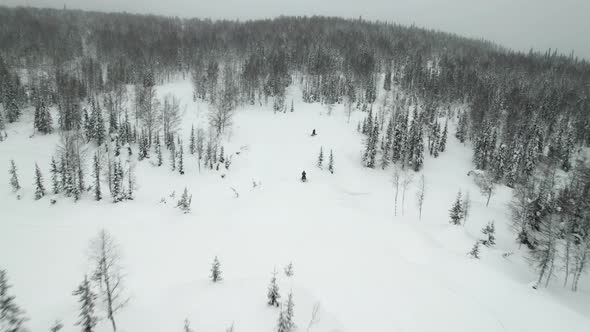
x=96 y=174
x=14 y=183
x=39 y=187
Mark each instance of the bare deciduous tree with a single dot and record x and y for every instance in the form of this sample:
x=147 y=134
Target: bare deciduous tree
x=396 y=181
x=420 y=195
x=486 y=186
x=315 y=316
x=104 y=253
x=169 y=116
x=225 y=103
x=466 y=206
x=406 y=180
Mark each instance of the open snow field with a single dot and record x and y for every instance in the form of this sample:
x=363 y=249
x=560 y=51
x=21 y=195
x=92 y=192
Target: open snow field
x=368 y=269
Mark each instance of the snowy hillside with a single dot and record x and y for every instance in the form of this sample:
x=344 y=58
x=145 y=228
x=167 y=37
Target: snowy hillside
x=367 y=268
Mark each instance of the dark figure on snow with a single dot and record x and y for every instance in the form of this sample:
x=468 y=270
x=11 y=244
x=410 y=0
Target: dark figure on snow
x=303 y=177
x=313 y=133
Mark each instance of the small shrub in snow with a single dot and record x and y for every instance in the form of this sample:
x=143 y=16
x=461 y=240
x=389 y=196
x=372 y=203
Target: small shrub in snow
x=184 y=204
x=474 y=253
x=57 y=326
x=489 y=232
x=289 y=270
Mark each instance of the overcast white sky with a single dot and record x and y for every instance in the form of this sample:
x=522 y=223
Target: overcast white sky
x=517 y=24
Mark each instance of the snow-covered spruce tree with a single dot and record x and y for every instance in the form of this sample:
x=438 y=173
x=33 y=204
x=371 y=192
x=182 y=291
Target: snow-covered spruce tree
x=289 y=269
x=286 y=323
x=456 y=211
x=11 y=106
x=39 y=187
x=499 y=164
x=461 y=133
x=411 y=140
x=141 y=147
x=117 y=187
x=86 y=318
x=180 y=159
x=42 y=122
x=12 y=317
x=2 y=126
x=192 y=147
x=14 y=183
x=433 y=138
x=386 y=156
x=320 y=161
x=474 y=253
x=387 y=80
x=130 y=183
x=489 y=231
x=184 y=204
x=216 y=270
x=331 y=162
x=105 y=255
x=273 y=291
x=55 y=177
x=172 y=148
x=158 y=148
x=96 y=175
x=111 y=102
x=418 y=157
x=371 y=147
x=88 y=125
x=442 y=144
x=292 y=106
x=399 y=136
x=117 y=151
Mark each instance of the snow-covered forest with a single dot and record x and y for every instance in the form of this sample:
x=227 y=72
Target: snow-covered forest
x=308 y=174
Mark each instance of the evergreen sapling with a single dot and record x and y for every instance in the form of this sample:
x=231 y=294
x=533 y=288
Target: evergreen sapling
x=216 y=270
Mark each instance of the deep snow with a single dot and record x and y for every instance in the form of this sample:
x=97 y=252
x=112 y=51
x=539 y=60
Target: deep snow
x=369 y=270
